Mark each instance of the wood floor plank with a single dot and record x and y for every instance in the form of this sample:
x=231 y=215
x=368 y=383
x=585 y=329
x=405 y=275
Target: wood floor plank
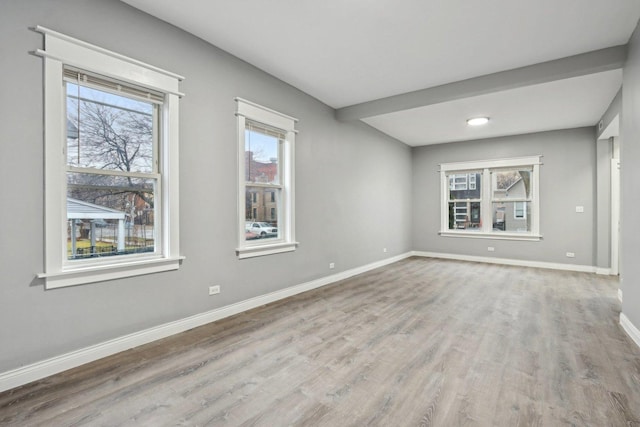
x=420 y=342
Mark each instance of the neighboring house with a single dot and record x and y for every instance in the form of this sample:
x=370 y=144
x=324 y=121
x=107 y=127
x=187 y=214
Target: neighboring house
x=511 y=216
x=466 y=188
x=79 y=211
x=261 y=204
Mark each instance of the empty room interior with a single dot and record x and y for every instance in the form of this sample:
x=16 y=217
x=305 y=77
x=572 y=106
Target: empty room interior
x=330 y=213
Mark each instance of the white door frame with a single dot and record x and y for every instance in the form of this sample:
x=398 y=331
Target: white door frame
x=615 y=216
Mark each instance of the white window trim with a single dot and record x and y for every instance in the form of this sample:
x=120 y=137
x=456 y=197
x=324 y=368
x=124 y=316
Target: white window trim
x=247 y=110
x=486 y=166
x=61 y=50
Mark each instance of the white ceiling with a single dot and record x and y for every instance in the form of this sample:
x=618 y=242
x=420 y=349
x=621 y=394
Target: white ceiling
x=563 y=104
x=350 y=52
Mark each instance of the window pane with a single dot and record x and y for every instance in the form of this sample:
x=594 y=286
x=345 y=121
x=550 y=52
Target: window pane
x=262 y=148
x=107 y=131
x=458 y=188
x=261 y=213
x=109 y=215
x=505 y=217
x=511 y=184
x=464 y=215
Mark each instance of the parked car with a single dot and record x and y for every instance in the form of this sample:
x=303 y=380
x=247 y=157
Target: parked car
x=261 y=229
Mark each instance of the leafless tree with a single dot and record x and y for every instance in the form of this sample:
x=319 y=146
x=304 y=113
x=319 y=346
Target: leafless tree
x=110 y=138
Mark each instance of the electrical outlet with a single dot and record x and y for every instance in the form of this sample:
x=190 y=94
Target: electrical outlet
x=491 y=249
x=580 y=209
x=332 y=265
x=571 y=255
x=214 y=290
x=384 y=250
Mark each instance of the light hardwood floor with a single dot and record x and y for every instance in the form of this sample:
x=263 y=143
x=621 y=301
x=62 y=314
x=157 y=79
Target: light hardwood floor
x=422 y=342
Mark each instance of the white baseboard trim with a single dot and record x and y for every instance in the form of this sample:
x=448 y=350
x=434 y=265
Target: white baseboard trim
x=620 y=294
x=630 y=329
x=507 y=261
x=57 y=364
x=603 y=271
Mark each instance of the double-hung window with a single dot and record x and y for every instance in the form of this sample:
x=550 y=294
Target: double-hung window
x=266 y=142
x=111 y=165
x=492 y=199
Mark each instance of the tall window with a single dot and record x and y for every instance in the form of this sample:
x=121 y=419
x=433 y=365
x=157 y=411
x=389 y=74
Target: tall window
x=111 y=166
x=494 y=198
x=265 y=164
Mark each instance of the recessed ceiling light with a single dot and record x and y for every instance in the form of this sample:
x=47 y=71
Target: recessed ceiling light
x=478 y=121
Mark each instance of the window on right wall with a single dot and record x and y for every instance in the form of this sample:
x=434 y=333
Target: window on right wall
x=491 y=199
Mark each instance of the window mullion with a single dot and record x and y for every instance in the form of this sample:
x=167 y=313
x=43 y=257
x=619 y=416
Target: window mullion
x=535 y=200
x=487 y=216
x=262 y=185
x=94 y=171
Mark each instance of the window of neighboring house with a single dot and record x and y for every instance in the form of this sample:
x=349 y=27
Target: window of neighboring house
x=458 y=182
x=501 y=200
x=266 y=141
x=111 y=138
x=520 y=210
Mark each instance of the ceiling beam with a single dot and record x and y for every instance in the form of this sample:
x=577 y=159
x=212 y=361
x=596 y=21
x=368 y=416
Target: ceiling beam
x=572 y=66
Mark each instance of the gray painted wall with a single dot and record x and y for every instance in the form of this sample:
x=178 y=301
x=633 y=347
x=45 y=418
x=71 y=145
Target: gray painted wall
x=612 y=111
x=353 y=186
x=567 y=180
x=630 y=177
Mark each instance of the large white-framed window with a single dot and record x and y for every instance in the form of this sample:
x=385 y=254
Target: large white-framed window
x=501 y=200
x=111 y=164
x=266 y=142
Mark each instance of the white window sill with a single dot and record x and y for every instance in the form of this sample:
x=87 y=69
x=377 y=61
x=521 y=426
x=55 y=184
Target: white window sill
x=268 y=249
x=495 y=236
x=84 y=275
